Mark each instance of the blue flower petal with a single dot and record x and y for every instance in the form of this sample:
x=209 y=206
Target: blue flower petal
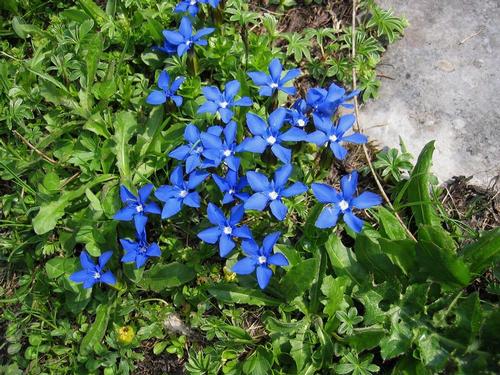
x=86 y=261
x=164 y=80
x=140 y=222
x=212 y=93
x=171 y=207
x=177 y=177
x=294 y=135
x=339 y=151
x=210 y=235
x=243 y=102
x=282 y=153
x=260 y=78
x=275 y=69
x=282 y=175
x=125 y=214
x=108 y=278
x=226 y=115
x=156 y=97
x=255 y=144
x=196 y=178
x=250 y=248
x=126 y=196
x=79 y=276
x=278 y=209
x=353 y=222
x=264 y=274
x=356 y=138
x=366 y=200
x=293 y=190
x=226 y=245
x=166 y=192
x=104 y=258
x=144 y=192
x=325 y=193
x=244 y=266
x=258 y=182
x=192 y=200
x=277 y=118
x=328 y=217
x=153 y=250
x=129 y=257
x=345 y=123
x=291 y=74
x=257 y=201
x=278 y=259
x=180 y=153
x=242 y=232
x=215 y=215
x=256 y=125
x=348 y=185
x=236 y=215
x=317 y=137
x=185 y=28
x=173 y=37
x=269 y=242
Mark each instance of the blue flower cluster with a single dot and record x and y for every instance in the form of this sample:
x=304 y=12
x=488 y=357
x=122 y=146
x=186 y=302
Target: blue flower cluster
x=216 y=153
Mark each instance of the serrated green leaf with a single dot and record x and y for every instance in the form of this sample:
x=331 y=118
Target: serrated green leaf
x=484 y=252
x=97 y=331
x=125 y=125
x=344 y=261
x=299 y=278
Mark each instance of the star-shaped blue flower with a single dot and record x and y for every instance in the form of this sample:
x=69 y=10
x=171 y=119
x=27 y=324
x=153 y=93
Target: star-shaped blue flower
x=192 y=152
x=184 y=38
x=260 y=258
x=93 y=273
x=343 y=203
x=271 y=135
x=139 y=251
x=325 y=103
x=180 y=192
x=168 y=91
x=222 y=151
x=328 y=134
x=136 y=208
x=232 y=187
x=192 y=7
x=272 y=192
x=297 y=115
x=222 y=102
x=167 y=48
x=269 y=84
x=225 y=228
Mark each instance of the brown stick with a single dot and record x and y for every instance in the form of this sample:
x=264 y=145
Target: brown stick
x=358 y=127
x=27 y=143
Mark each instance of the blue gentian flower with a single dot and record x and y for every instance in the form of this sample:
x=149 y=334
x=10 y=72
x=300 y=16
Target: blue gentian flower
x=260 y=258
x=325 y=103
x=192 y=7
x=137 y=207
x=184 y=38
x=272 y=191
x=219 y=151
x=225 y=228
x=193 y=150
x=297 y=115
x=328 y=134
x=343 y=203
x=93 y=273
x=167 y=48
x=232 y=187
x=222 y=102
x=140 y=250
x=180 y=192
x=271 y=135
x=167 y=91
x=270 y=83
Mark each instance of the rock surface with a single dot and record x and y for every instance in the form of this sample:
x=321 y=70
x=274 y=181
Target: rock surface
x=446 y=87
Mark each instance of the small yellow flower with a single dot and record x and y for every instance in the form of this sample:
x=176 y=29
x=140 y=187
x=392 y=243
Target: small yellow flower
x=229 y=275
x=125 y=335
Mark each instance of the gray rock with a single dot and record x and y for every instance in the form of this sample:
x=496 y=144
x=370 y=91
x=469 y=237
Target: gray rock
x=446 y=86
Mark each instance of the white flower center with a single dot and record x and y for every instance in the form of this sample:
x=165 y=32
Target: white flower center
x=97 y=275
x=271 y=140
x=223 y=104
x=192 y=2
x=227 y=153
x=343 y=205
x=273 y=195
x=199 y=150
x=301 y=123
x=333 y=138
x=183 y=193
x=274 y=85
x=188 y=43
x=139 y=208
x=231 y=191
x=142 y=249
x=262 y=259
x=228 y=230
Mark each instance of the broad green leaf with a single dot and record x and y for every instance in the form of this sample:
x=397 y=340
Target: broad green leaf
x=372 y=258
x=231 y=293
x=442 y=265
x=418 y=189
x=299 y=278
x=94 y=53
x=398 y=342
x=125 y=126
x=484 y=252
x=438 y=236
x=164 y=276
x=401 y=252
x=366 y=338
x=59 y=266
x=390 y=225
x=334 y=290
x=344 y=261
x=258 y=363
x=94 y=11
x=97 y=331
x=431 y=352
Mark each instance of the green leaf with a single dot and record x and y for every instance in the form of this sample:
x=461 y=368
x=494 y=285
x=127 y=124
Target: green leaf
x=125 y=125
x=441 y=265
x=334 y=290
x=418 y=189
x=231 y=293
x=401 y=252
x=397 y=343
x=366 y=338
x=299 y=278
x=484 y=252
x=97 y=331
x=164 y=276
x=370 y=255
x=258 y=363
x=343 y=260
x=56 y=267
x=390 y=225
